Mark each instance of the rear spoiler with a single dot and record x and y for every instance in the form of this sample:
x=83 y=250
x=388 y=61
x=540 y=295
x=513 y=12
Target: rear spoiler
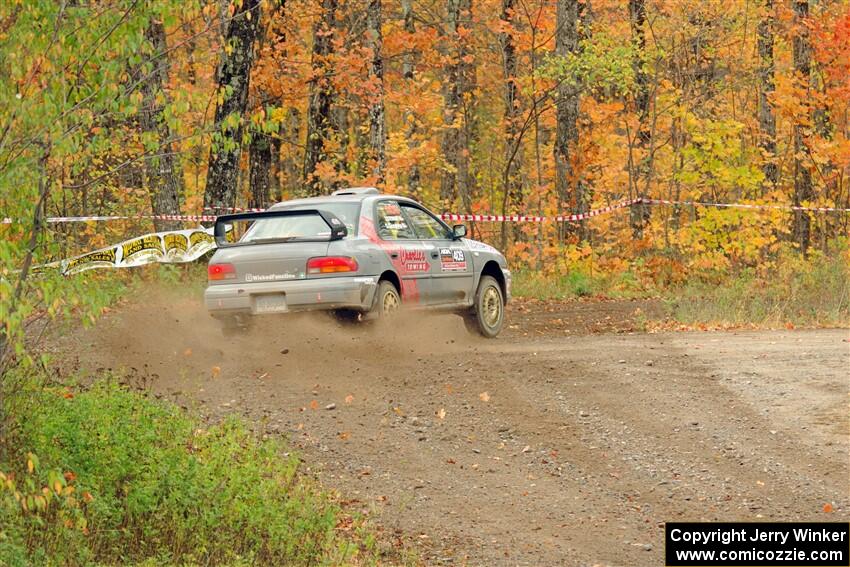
x=338 y=230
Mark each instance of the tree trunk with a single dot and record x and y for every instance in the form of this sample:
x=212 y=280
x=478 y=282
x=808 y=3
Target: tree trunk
x=637 y=19
x=264 y=149
x=513 y=186
x=260 y=166
x=408 y=70
x=274 y=180
x=767 y=121
x=567 y=184
x=377 y=121
x=319 y=121
x=511 y=181
x=233 y=76
x=457 y=112
x=164 y=178
x=292 y=161
x=802 y=54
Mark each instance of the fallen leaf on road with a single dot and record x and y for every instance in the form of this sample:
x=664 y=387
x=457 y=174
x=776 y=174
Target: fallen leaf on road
x=216 y=370
x=349 y=398
x=314 y=404
x=187 y=352
x=344 y=435
x=485 y=397
x=827 y=508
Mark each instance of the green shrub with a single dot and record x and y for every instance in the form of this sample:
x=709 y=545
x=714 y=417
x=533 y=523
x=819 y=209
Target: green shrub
x=141 y=480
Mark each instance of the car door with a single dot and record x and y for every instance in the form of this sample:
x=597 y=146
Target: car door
x=450 y=261
x=406 y=252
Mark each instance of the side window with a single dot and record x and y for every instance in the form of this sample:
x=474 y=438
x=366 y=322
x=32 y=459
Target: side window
x=424 y=225
x=391 y=223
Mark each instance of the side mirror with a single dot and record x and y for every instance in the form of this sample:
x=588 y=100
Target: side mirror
x=458 y=231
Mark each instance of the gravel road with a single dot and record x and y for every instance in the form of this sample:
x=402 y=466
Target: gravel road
x=567 y=441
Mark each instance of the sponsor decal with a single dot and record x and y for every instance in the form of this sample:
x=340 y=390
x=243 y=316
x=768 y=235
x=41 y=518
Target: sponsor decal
x=148 y=245
x=199 y=239
x=452 y=260
x=97 y=259
x=414 y=260
x=176 y=244
x=249 y=277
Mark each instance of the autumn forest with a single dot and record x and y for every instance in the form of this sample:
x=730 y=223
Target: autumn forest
x=537 y=107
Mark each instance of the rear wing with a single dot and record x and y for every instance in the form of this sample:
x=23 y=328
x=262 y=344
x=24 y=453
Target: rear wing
x=338 y=230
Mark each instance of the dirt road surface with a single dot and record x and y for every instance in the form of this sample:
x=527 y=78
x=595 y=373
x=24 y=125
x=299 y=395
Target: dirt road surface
x=552 y=445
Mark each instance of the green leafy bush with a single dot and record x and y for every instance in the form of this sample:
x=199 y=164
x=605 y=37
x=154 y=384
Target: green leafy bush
x=127 y=479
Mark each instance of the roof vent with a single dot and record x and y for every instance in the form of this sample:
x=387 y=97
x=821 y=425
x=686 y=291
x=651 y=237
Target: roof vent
x=357 y=191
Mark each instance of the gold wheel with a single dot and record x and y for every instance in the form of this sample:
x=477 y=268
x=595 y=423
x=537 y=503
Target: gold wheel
x=390 y=303
x=491 y=306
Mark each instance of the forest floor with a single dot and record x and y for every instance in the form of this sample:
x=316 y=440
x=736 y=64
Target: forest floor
x=567 y=441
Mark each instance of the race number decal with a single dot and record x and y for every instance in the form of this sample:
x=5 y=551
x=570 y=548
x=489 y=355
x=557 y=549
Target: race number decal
x=452 y=260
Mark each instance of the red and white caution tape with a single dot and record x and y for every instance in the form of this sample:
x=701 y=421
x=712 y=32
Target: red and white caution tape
x=573 y=217
x=106 y=218
x=745 y=206
x=491 y=218
x=596 y=212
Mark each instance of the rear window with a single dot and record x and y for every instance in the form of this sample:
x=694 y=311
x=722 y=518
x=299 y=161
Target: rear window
x=307 y=226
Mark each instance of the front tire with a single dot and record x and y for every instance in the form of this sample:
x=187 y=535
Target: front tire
x=488 y=315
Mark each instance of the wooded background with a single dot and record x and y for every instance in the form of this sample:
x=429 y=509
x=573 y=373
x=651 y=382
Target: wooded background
x=471 y=106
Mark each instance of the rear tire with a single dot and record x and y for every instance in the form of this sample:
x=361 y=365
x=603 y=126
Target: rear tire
x=387 y=301
x=488 y=315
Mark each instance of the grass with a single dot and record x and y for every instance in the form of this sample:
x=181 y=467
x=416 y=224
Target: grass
x=108 y=476
x=574 y=285
x=809 y=292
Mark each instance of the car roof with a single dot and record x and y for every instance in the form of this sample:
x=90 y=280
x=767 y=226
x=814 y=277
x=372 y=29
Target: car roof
x=354 y=195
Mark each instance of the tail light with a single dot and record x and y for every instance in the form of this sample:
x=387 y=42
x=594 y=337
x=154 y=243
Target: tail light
x=331 y=265
x=221 y=272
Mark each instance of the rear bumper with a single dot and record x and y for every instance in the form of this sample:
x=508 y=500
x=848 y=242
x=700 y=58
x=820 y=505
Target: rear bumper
x=301 y=295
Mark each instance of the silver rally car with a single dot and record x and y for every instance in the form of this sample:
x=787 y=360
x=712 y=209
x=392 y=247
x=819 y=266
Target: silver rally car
x=359 y=254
